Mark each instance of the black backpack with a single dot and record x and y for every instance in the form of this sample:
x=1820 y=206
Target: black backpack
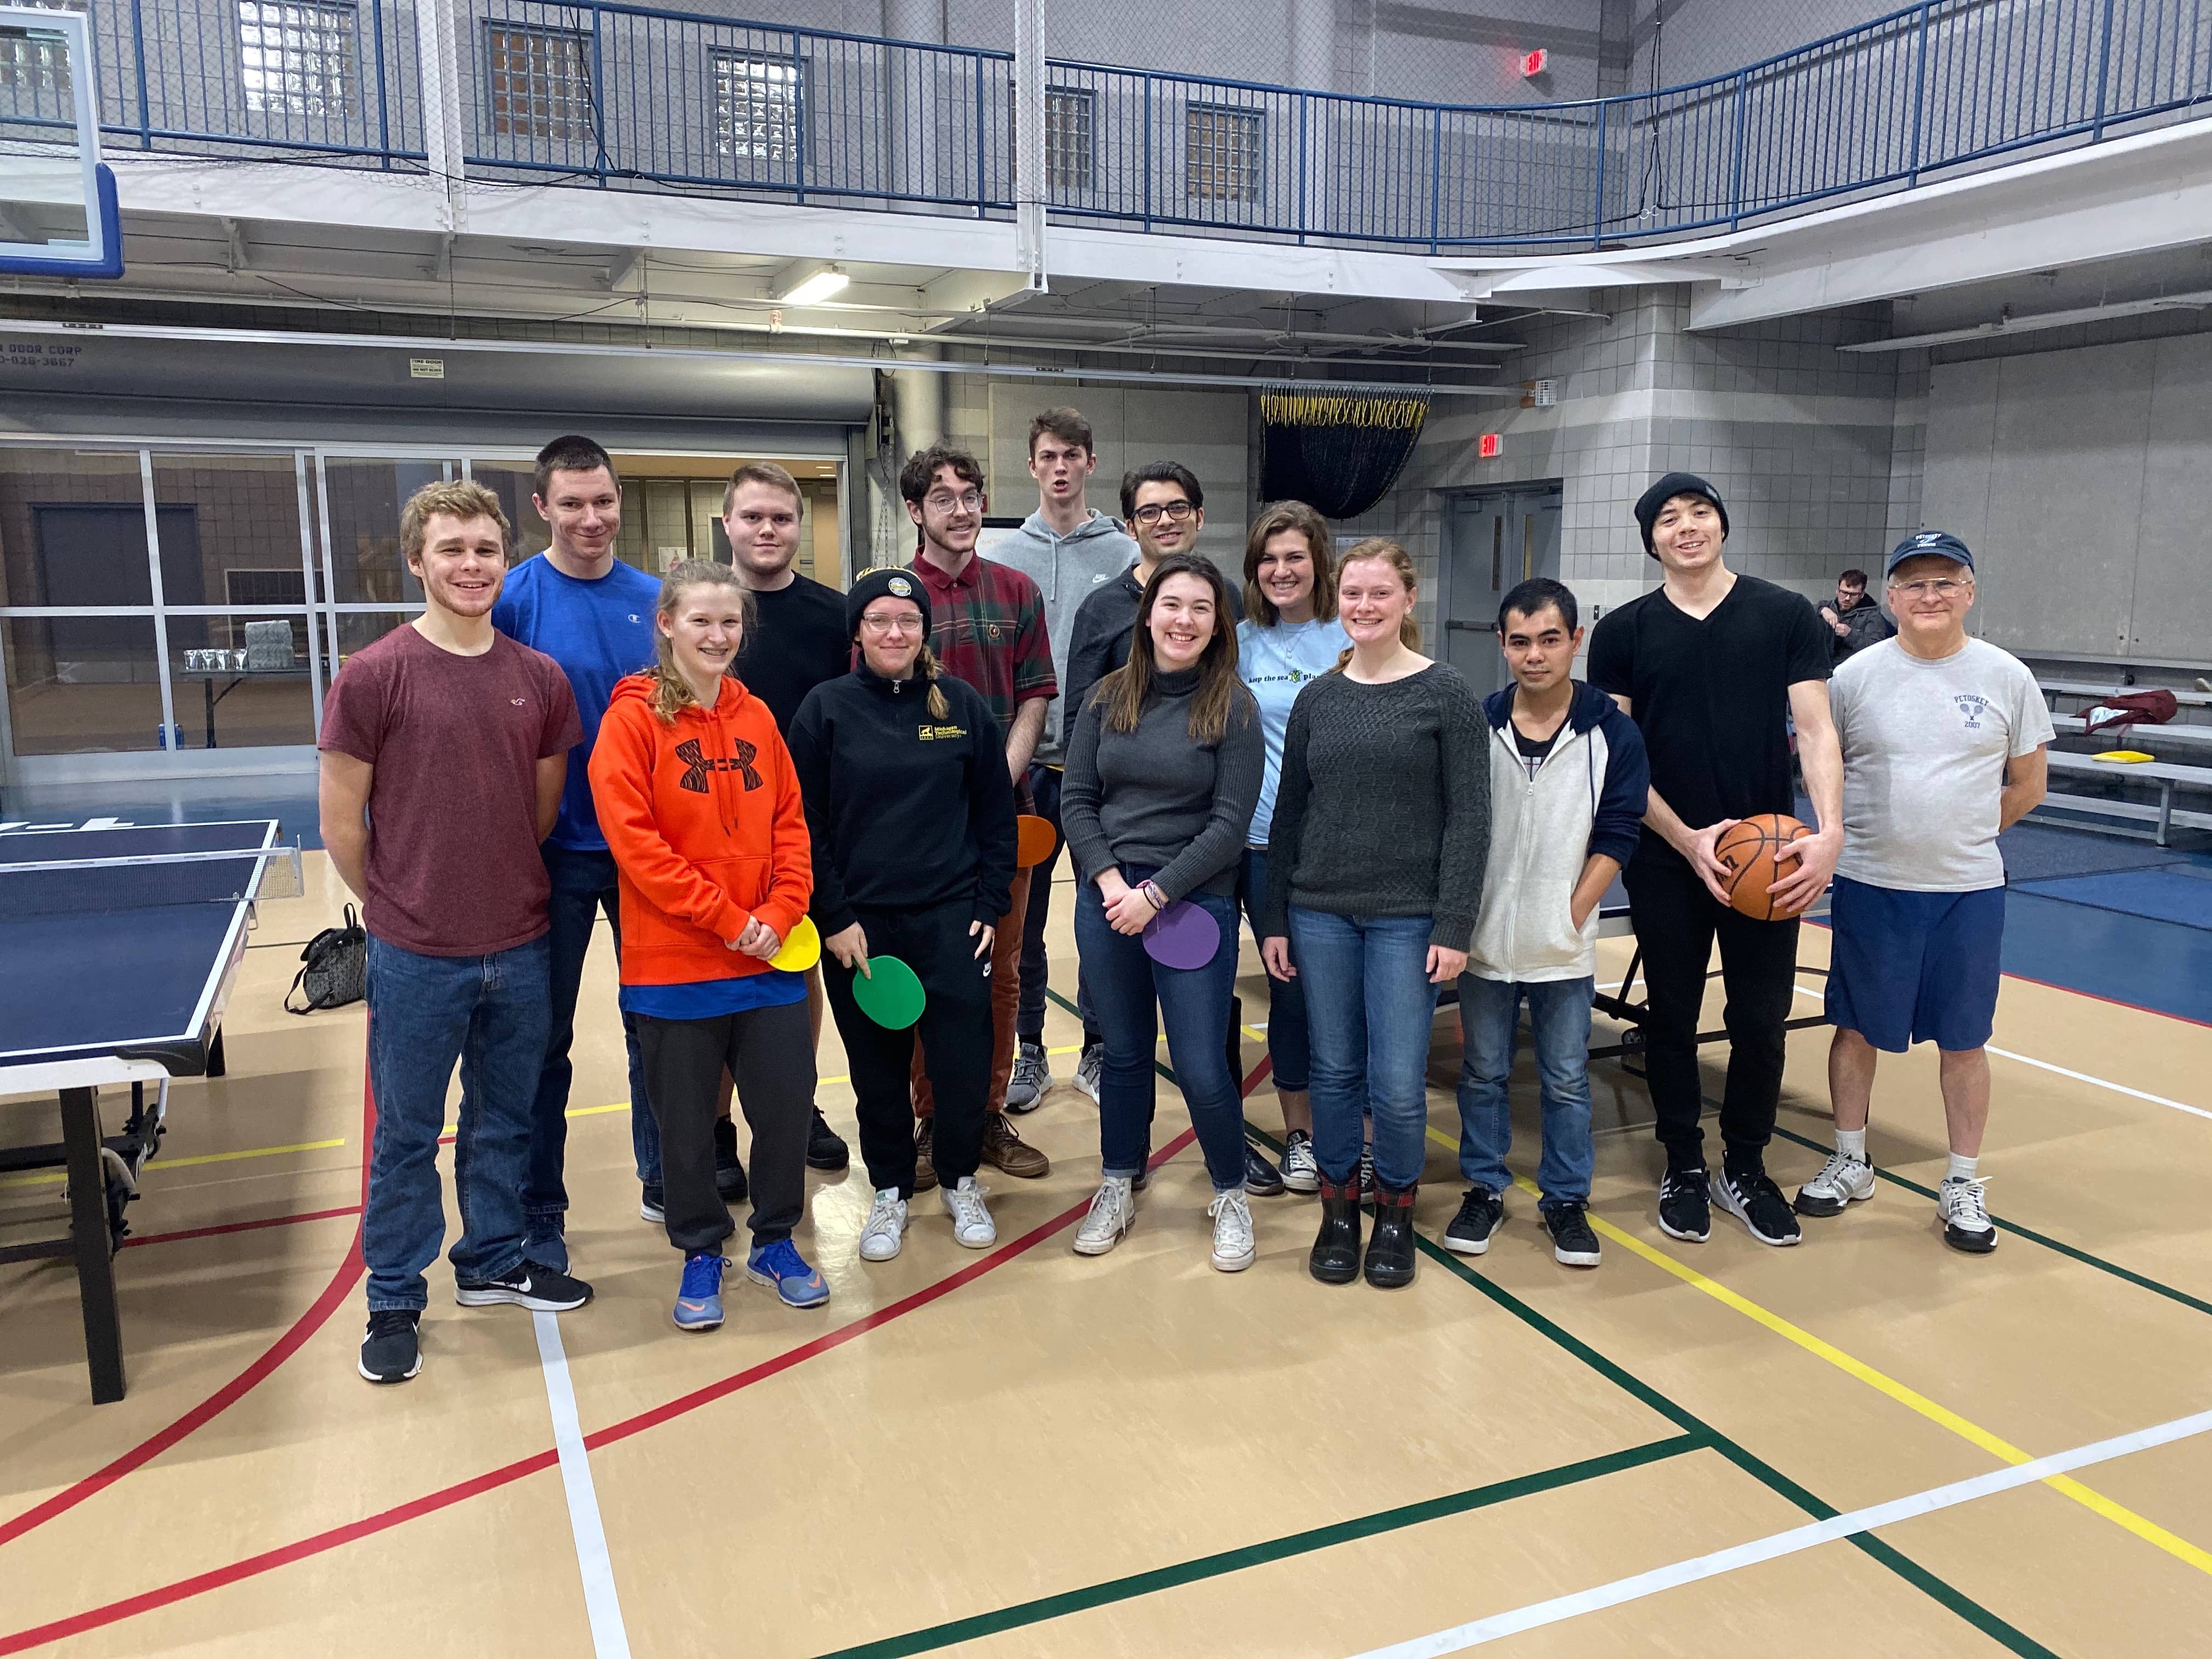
x=336 y=970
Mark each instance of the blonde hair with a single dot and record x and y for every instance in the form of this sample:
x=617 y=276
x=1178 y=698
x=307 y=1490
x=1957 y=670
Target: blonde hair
x=457 y=498
x=670 y=694
x=762 y=472
x=926 y=663
x=1376 y=547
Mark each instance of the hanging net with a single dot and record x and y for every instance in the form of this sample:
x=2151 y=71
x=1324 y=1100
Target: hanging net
x=1336 y=453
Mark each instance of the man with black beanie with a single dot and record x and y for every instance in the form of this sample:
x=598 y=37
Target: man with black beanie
x=1708 y=666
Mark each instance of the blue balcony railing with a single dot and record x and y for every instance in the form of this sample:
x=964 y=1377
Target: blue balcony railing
x=629 y=96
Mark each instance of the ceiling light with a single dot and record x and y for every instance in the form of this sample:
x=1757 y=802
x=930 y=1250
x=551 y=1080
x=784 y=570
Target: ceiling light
x=813 y=289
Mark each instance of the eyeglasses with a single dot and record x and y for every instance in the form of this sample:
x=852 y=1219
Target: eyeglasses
x=898 y=624
x=970 y=503
x=1153 y=512
x=1941 y=587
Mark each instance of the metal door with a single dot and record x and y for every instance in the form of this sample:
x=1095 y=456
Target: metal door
x=1493 y=542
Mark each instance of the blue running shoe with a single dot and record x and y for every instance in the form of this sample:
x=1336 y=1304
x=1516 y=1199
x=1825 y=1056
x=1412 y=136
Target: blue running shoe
x=699 y=1298
x=783 y=1270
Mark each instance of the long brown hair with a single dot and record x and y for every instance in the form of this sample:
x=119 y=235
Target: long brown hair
x=1126 y=691
x=1273 y=521
x=1376 y=547
x=670 y=694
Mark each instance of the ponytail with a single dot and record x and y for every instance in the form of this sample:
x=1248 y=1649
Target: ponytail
x=939 y=710
x=1376 y=547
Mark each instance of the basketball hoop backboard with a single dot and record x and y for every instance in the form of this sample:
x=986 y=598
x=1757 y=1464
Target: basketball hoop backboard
x=57 y=213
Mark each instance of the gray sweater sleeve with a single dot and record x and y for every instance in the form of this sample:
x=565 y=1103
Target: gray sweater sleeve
x=1292 y=791
x=1079 y=795
x=1239 y=763
x=1464 y=735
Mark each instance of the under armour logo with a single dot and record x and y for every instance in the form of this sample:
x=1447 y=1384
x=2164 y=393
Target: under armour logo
x=698 y=765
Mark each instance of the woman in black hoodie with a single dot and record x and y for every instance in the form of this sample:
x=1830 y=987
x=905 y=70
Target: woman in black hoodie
x=903 y=771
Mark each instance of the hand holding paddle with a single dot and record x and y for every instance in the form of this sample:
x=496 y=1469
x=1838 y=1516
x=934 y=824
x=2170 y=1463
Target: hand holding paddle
x=802 y=948
x=850 y=946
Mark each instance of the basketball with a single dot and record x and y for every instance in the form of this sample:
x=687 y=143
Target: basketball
x=1748 y=848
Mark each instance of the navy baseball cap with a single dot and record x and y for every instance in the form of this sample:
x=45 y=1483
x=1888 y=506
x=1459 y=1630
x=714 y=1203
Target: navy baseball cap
x=1940 y=542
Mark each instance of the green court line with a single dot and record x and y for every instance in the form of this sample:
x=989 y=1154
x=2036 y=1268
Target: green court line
x=1254 y=1555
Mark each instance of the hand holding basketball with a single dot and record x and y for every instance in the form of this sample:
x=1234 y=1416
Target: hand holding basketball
x=1748 y=850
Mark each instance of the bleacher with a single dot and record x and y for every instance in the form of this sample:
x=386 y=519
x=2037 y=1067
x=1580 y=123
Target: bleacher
x=2181 y=769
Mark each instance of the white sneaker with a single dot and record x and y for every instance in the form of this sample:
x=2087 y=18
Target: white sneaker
x=886 y=1229
x=1301 y=1169
x=1112 y=1212
x=1843 y=1180
x=1966 y=1213
x=972 y=1226
x=1232 y=1231
x=1088 y=1066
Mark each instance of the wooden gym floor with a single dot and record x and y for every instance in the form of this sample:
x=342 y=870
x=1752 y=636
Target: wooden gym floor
x=1025 y=1452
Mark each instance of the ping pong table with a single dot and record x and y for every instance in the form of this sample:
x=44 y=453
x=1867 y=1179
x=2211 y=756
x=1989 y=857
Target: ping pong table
x=118 y=947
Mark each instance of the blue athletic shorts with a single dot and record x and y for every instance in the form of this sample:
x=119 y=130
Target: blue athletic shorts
x=1906 y=968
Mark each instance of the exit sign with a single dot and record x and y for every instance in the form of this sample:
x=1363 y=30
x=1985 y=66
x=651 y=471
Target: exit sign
x=1534 y=64
x=1489 y=446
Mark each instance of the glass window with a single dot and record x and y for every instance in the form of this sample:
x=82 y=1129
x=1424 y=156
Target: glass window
x=246 y=686
x=515 y=484
x=83 y=685
x=362 y=498
x=540 y=82
x=757 y=107
x=52 y=551
x=295 y=59
x=1221 y=152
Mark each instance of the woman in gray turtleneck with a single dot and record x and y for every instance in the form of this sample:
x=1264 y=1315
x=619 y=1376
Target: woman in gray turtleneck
x=1163 y=770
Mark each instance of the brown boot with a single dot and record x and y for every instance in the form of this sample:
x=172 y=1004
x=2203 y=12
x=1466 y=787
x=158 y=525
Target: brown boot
x=1005 y=1151
x=925 y=1169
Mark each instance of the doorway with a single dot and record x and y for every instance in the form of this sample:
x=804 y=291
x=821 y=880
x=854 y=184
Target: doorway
x=1494 y=540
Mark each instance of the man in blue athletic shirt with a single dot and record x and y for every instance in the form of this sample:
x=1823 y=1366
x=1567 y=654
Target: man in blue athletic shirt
x=593 y=614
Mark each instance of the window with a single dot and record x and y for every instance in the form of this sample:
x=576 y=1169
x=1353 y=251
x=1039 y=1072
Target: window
x=1067 y=137
x=294 y=58
x=35 y=68
x=541 y=82
x=1221 y=152
x=757 y=111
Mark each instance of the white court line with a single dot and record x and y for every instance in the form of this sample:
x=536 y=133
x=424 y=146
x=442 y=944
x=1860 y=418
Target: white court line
x=610 y=1640
x=2078 y=1077
x=1563 y=1607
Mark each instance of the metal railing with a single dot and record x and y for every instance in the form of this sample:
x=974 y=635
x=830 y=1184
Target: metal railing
x=631 y=96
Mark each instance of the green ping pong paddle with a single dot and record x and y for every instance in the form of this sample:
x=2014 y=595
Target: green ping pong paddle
x=889 y=993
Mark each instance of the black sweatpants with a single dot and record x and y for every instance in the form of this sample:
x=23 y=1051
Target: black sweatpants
x=770 y=1053
x=1676 y=919
x=955 y=1030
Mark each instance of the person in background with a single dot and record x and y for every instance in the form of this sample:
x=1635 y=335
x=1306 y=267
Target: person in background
x=701 y=808
x=1856 y=619
x=912 y=812
x=1946 y=744
x=1068 y=549
x=1567 y=786
x=987 y=627
x=444 y=752
x=1375 y=876
x=798 y=641
x=593 y=614
x=1289 y=638
x=1161 y=781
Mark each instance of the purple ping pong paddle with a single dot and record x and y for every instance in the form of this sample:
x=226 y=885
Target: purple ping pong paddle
x=1182 y=936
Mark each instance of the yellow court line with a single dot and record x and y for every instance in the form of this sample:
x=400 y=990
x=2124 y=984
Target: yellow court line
x=2149 y=1531
x=58 y=1178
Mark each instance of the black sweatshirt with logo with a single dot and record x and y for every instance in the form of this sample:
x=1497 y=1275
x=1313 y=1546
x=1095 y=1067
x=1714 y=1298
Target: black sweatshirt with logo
x=906 y=811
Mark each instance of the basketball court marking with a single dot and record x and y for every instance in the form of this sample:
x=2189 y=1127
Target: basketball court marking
x=218 y=1230
x=602 y=1605
x=1558 y=1609
x=54 y=1180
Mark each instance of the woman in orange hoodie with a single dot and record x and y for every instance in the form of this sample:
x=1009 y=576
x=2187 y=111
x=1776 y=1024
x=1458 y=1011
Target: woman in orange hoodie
x=701 y=807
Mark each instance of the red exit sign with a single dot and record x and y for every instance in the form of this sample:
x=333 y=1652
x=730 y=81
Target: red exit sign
x=1489 y=446
x=1534 y=64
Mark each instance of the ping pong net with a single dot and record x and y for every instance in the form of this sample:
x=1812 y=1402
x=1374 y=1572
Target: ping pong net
x=34 y=886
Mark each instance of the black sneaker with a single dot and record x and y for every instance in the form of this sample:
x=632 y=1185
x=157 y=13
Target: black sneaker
x=1684 y=1206
x=1480 y=1213
x=729 y=1173
x=1572 y=1241
x=390 y=1352
x=825 y=1147
x=529 y=1285
x=651 y=1206
x=1757 y=1202
x=1262 y=1178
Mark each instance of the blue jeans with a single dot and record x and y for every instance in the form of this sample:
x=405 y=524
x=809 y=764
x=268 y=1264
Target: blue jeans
x=583 y=886
x=1289 y=1053
x=425 y=1013
x=1126 y=984
x=1369 y=1008
x=1560 y=1018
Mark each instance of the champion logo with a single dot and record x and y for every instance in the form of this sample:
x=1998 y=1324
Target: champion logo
x=634 y=616
x=517 y=701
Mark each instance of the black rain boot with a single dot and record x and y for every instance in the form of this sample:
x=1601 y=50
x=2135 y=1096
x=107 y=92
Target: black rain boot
x=1335 y=1258
x=1390 y=1250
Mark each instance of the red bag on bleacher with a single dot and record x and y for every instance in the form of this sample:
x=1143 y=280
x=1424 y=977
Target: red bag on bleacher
x=2131 y=709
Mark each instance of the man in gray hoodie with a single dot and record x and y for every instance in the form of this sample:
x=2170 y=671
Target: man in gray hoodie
x=1068 y=549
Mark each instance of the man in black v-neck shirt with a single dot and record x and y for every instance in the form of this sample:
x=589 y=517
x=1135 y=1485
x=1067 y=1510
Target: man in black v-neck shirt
x=1708 y=666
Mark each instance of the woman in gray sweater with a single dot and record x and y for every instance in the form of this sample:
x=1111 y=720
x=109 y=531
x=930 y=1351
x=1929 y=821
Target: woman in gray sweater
x=1374 y=864
x=1163 y=770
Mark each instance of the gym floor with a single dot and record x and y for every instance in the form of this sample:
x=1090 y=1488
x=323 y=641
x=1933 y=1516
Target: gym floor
x=1023 y=1451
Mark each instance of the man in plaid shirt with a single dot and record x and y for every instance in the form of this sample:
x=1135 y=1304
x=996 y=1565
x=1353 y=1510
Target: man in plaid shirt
x=987 y=627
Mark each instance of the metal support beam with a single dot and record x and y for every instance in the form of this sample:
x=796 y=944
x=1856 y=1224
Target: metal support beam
x=1030 y=181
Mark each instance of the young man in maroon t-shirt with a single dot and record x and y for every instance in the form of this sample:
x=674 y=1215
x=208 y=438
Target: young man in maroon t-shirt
x=444 y=750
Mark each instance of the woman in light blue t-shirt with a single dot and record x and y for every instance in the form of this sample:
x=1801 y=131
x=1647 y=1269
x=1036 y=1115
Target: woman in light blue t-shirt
x=1289 y=638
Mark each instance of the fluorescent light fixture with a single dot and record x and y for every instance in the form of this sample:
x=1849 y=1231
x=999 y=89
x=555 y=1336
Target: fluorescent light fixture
x=820 y=284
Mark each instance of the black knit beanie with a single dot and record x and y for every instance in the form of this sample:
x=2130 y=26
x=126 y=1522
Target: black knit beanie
x=1674 y=483
x=884 y=581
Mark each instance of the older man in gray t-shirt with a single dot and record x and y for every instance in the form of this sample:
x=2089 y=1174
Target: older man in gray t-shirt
x=1943 y=740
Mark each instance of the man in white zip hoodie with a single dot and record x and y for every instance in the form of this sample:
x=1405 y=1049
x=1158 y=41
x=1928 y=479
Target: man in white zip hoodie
x=1568 y=779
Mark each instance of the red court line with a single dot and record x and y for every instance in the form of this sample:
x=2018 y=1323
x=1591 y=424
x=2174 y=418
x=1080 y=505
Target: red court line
x=242 y=1226
x=430 y=1503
